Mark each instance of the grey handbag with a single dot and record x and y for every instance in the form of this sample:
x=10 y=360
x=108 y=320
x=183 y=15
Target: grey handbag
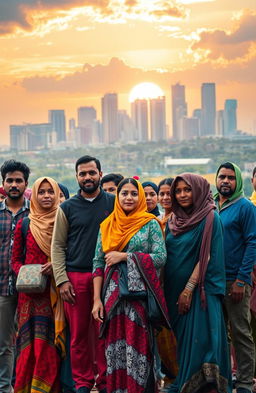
x=30 y=279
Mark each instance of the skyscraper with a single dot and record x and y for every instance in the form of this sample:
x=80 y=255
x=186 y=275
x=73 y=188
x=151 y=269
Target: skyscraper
x=109 y=110
x=29 y=137
x=157 y=119
x=179 y=110
x=58 y=120
x=230 y=121
x=86 y=117
x=220 y=123
x=140 y=119
x=208 y=99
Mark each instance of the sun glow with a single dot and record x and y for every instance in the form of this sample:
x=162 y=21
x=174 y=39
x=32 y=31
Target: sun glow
x=145 y=90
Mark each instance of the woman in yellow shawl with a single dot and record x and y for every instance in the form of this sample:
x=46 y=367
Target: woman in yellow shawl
x=38 y=359
x=132 y=236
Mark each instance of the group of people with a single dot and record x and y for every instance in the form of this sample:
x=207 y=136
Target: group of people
x=133 y=295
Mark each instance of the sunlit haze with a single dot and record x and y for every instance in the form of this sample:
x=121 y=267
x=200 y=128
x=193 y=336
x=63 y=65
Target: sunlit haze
x=145 y=90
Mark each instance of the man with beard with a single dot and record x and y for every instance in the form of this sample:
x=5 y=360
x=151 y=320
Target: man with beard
x=73 y=246
x=15 y=180
x=238 y=216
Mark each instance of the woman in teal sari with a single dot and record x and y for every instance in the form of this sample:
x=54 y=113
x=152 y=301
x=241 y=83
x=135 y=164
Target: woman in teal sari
x=194 y=286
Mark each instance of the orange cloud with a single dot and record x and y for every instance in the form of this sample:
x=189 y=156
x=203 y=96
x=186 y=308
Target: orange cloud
x=232 y=45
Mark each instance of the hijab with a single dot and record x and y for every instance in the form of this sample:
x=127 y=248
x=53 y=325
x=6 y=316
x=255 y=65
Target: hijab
x=155 y=211
x=118 y=228
x=183 y=221
x=239 y=190
x=64 y=189
x=42 y=220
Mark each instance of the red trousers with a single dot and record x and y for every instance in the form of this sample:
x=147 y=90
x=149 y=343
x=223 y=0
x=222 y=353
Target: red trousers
x=85 y=346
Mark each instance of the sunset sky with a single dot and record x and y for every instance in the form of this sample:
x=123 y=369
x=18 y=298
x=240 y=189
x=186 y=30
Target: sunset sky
x=62 y=54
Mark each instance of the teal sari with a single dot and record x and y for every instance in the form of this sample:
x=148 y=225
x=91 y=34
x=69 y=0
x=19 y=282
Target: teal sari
x=203 y=356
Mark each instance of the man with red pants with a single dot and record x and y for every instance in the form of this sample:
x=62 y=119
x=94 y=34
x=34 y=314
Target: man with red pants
x=73 y=246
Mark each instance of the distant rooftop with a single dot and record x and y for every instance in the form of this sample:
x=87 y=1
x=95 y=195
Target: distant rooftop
x=168 y=161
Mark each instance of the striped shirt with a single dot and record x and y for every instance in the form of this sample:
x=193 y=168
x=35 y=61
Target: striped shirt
x=8 y=221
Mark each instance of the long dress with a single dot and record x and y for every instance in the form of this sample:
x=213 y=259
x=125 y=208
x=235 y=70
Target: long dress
x=203 y=354
x=38 y=361
x=128 y=336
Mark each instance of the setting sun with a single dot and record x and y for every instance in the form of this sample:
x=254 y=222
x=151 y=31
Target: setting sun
x=145 y=90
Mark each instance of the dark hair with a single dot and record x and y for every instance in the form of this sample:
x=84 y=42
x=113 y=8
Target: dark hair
x=226 y=165
x=12 y=166
x=254 y=171
x=167 y=180
x=86 y=159
x=114 y=177
x=64 y=190
x=126 y=181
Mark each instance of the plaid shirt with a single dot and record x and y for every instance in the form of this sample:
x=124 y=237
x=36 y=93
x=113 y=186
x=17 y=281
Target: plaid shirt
x=8 y=221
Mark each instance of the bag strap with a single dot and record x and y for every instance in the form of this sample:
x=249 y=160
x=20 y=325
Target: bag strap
x=24 y=230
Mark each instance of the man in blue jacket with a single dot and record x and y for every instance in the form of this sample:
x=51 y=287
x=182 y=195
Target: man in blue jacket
x=238 y=216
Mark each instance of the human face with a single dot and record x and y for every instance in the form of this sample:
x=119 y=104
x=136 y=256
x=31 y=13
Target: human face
x=2 y=198
x=151 y=198
x=45 y=196
x=183 y=194
x=88 y=177
x=128 y=198
x=254 y=181
x=226 y=182
x=110 y=187
x=14 y=185
x=164 y=197
x=62 y=197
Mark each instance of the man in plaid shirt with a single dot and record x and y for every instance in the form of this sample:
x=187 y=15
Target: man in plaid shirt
x=15 y=180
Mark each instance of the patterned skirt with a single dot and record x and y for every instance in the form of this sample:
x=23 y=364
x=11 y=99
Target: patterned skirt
x=38 y=362
x=129 y=350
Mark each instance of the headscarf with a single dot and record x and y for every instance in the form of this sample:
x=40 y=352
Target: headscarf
x=64 y=189
x=239 y=190
x=182 y=221
x=41 y=220
x=155 y=211
x=118 y=228
x=3 y=192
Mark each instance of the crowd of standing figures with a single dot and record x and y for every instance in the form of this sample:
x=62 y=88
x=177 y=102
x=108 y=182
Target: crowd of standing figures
x=127 y=287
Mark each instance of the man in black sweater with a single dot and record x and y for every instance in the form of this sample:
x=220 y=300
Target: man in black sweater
x=73 y=246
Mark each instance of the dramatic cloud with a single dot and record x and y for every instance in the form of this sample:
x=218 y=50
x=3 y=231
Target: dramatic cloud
x=117 y=76
x=230 y=45
x=26 y=15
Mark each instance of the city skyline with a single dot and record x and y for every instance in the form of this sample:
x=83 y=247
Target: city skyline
x=67 y=54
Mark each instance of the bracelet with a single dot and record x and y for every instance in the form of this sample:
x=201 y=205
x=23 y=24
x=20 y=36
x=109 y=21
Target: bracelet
x=191 y=286
x=240 y=284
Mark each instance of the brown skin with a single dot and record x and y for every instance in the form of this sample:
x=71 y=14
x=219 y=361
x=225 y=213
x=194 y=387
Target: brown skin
x=164 y=198
x=110 y=187
x=14 y=185
x=226 y=184
x=151 y=198
x=128 y=199
x=253 y=180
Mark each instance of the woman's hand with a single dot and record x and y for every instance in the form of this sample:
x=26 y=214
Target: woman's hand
x=47 y=269
x=184 y=301
x=98 y=310
x=113 y=257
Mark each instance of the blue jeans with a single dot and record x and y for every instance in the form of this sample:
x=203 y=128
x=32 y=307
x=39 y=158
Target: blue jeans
x=7 y=341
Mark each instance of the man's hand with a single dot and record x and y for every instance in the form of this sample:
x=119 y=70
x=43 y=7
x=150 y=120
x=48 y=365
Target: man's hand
x=237 y=292
x=67 y=292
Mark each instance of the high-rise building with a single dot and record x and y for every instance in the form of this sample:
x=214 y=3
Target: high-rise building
x=230 y=120
x=126 y=127
x=109 y=110
x=86 y=117
x=29 y=137
x=198 y=114
x=179 y=110
x=190 y=127
x=139 y=109
x=208 y=99
x=157 y=119
x=220 y=122
x=58 y=120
